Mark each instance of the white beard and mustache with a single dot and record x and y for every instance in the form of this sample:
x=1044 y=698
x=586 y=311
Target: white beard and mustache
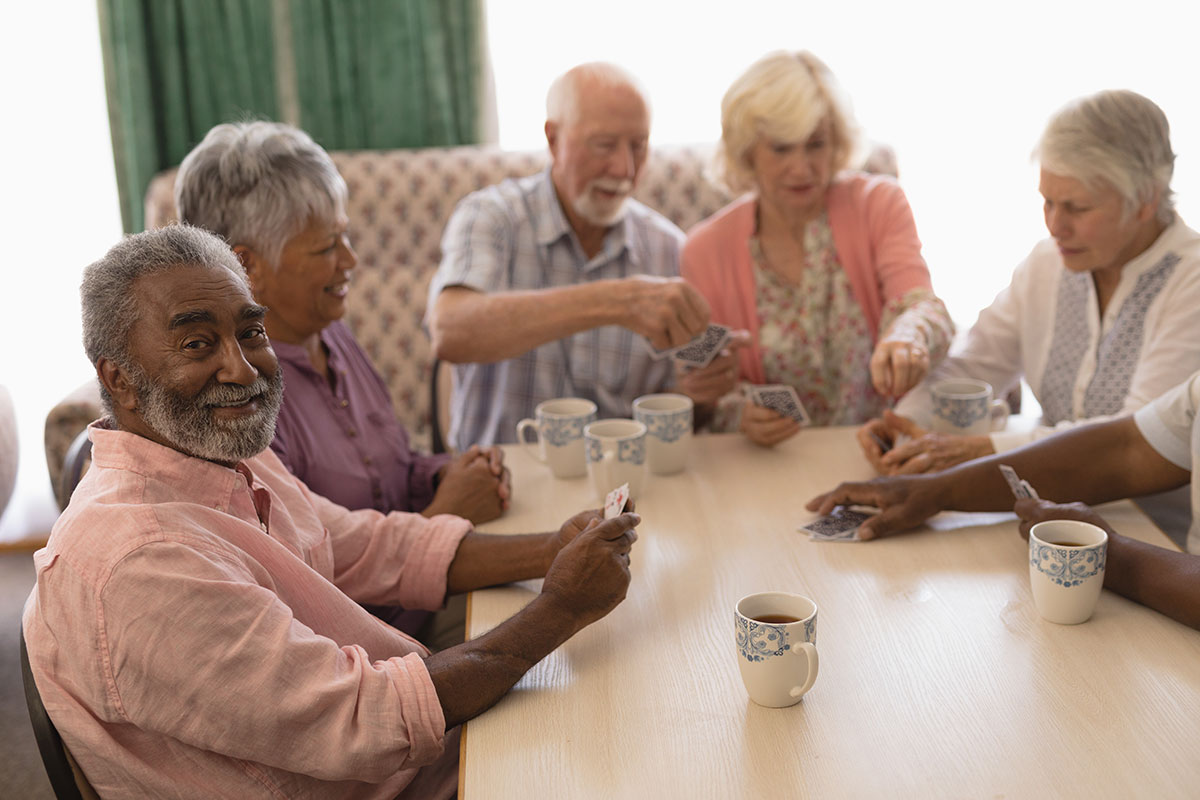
x=600 y=212
x=188 y=424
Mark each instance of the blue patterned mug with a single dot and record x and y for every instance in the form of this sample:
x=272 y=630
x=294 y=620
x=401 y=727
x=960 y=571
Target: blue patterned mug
x=616 y=454
x=775 y=634
x=1066 y=569
x=559 y=427
x=668 y=421
x=964 y=407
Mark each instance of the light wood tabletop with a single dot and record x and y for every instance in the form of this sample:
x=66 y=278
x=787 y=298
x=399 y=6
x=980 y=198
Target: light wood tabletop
x=937 y=677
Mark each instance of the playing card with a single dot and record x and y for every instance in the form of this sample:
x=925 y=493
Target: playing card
x=883 y=446
x=614 y=503
x=1020 y=488
x=781 y=399
x=839 y=526
x=704 y=348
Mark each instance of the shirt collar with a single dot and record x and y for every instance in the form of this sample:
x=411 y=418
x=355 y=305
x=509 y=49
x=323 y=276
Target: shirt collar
x=295 y=356
x=203 y=481
x=551 y=225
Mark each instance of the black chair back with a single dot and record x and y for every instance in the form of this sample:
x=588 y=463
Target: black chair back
x=54 y=752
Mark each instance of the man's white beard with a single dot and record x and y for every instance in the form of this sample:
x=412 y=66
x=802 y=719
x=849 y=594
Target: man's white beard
x=189 y=426
x=601 y=213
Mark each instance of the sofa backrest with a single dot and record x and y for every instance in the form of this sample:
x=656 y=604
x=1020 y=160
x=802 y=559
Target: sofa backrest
x=399 y=203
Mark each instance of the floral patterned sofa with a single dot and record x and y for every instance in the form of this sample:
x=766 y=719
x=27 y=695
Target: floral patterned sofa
x=399 y=203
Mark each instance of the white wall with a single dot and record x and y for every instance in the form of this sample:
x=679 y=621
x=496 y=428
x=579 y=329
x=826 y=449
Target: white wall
x=60 y=213
x=960 y=89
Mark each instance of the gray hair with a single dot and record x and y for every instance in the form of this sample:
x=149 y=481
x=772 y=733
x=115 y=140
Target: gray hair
x=107 y=297
x=784 y=96
x=1118 y=137
x=258 y=184
x=563 y=100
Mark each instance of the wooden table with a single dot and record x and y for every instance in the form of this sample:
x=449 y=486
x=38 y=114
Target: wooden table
x=937 y=678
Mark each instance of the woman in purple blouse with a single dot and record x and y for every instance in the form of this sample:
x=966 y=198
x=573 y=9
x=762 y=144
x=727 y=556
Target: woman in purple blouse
x=277 y=198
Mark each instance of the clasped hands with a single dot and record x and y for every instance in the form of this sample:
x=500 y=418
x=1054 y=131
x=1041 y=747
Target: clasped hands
x=909 y=449
x=475 y=485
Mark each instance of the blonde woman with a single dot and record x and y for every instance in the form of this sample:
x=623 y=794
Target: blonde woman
x=821 y=264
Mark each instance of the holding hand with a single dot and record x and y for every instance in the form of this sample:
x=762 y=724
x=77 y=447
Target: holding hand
x=668 y=311
x=1033 y=511
x=903 y=503
x=922 y=452
x=898 y=365
x=766 y=427
x=590 y=574
x=475 y=485
x=709 y=384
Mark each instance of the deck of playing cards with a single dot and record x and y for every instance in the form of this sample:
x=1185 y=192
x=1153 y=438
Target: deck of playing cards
x=614 y=503
x=1021 y=488
x=699 y=352
x=782 y=399
x=839 y=526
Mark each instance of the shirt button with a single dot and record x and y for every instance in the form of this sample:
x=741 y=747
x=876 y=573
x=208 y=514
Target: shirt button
x=367 y=460
x=351 y=432
x=377 y=493
x=345 y=403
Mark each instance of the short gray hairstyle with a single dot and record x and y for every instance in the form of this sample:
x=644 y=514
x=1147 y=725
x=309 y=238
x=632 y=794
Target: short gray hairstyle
x=1117 y=137
x=564 y=99
x=258 y=184
x=107 y=297
x=783 y=96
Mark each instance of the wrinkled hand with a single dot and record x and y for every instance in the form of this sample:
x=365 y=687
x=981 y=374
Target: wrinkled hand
x=898 y=365
x=574 y=526
x=590 y=574
x=475 y=485
x=923 y=451
x=1033 y=511
x=709 y=384
x=766 y=427
x=903 y=503
x=668 y=311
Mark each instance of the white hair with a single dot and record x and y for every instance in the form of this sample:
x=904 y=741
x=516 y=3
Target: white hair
x=258 y=184
x=1117 y=137
x=564 y=99
x=783 y=96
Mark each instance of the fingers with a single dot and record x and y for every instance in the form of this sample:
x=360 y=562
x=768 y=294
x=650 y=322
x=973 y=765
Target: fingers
x=615 y=528
x=896 y=366
x=870 y=436
x=495 y=457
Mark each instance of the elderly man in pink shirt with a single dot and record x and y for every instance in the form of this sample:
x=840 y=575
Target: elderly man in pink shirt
x=195 y=629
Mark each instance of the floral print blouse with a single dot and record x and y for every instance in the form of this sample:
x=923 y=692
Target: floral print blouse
x=815 y=337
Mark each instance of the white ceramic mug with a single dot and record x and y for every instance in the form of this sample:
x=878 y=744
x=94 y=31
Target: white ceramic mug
x=668 y=421
x=616 y=454
x=559 y=428
x=1066 y=569
x=776 y=634
x=964 y=406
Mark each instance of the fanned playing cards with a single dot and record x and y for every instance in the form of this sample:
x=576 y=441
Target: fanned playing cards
x=782 y=399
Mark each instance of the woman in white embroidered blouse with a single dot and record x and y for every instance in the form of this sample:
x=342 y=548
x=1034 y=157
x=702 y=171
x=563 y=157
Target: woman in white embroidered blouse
x=1102 y=317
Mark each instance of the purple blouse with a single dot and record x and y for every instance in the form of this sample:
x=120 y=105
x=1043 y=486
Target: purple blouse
x=344 y=441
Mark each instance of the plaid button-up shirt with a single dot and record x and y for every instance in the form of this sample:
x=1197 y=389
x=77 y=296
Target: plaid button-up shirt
x=515 y=236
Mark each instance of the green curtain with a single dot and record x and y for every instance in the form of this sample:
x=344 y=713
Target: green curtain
x=379 y=73
x=366 y=74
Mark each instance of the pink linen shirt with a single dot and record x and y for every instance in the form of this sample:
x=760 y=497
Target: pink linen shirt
x=194 y=632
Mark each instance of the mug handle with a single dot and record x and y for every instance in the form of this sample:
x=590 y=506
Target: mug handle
x=522 y=426
x=808 y=651
x=1000 y=414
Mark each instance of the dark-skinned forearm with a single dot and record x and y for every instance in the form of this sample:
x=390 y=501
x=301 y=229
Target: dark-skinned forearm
x=490 y=560
x=1090 y=464
x=1162 y=579
x=472 y=676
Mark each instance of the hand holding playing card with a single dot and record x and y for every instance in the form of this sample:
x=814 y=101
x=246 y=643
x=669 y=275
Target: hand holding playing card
x=707 y=385
x=772 y=414
x=840 y=525
x=614 y=503
x=668 y=312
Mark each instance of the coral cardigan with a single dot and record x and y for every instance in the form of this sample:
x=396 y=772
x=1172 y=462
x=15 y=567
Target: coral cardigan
x=873 y=233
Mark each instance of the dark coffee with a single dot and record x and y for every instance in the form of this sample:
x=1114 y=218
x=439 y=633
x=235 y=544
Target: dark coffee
x=775 y=619
x=1070 y=544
